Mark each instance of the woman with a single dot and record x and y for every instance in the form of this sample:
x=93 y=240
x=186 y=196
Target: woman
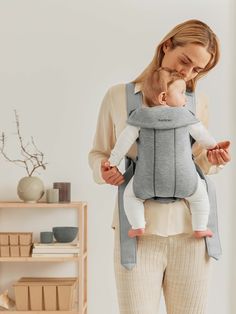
x=168 y=256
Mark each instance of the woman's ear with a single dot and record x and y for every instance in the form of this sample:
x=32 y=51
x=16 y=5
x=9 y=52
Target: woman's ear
x=162 y=98
x=167 y=45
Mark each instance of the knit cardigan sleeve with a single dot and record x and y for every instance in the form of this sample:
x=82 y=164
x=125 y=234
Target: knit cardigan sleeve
x=104 y=138
x=199 y=153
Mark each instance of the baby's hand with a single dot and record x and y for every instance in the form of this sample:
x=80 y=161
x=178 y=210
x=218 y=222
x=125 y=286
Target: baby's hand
x=107 y=165
x=213 y=148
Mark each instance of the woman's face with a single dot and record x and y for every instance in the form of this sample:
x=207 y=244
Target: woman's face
x=188 y=60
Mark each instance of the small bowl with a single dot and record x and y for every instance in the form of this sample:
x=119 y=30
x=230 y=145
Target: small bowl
x=65 y=234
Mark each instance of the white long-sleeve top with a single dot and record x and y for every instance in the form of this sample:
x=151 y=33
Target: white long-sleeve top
x=130 y=134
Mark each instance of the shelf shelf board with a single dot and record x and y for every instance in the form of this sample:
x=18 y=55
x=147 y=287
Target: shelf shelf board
x=39 y=312
x=12 y=204
x=39 y=259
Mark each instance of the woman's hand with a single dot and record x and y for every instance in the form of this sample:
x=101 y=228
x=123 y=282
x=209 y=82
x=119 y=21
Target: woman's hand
x=220 y=155
x=111 y=175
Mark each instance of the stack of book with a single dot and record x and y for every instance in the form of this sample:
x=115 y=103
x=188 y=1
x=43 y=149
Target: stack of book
x=55 y=249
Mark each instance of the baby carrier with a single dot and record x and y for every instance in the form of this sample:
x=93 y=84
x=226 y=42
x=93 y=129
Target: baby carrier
x=164 y=168
x=129 y=245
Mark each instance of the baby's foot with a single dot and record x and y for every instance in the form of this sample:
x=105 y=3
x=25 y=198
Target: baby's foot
x=136 y=232
x=202 y=234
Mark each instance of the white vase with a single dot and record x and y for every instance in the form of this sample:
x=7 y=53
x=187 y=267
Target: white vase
x=30 y=189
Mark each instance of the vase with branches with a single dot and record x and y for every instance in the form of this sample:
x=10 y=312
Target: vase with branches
x=30 y=188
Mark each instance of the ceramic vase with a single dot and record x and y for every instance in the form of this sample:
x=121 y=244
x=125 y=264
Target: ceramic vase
x=30 y=189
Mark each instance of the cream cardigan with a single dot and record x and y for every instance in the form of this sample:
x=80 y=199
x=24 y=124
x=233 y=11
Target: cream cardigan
x=162 y=219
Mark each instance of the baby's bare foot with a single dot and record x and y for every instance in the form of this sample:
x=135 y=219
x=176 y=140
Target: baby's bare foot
x=136 y=232
x=202 y=234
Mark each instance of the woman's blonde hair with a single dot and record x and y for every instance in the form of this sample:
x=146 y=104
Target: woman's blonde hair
x=189 y=32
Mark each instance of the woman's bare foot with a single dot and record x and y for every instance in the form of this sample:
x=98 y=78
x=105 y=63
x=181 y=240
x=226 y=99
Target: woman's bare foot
x=136 y=232
x=202 y=234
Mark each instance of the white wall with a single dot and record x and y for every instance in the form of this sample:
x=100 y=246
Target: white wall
x=57 y=59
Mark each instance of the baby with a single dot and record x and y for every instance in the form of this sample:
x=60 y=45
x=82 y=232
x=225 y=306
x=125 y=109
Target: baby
x=171 y=94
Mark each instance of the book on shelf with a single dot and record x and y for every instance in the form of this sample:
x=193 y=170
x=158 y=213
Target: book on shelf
x=56 y=250
x=56 y=245
x=54 y=255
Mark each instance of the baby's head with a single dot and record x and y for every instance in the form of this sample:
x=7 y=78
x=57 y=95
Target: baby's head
x=170 y=88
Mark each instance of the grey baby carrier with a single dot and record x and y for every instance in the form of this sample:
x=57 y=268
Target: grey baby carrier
x=162 y=192
x=164 y=168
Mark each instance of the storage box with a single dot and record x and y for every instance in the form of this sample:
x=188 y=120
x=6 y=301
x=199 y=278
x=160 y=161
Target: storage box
x=14 y=250
x=14 y=238
x=15 y=244
x=25 y=250
x=4 y=239
x=45 y=294
x=25 y=238
x=5 y=251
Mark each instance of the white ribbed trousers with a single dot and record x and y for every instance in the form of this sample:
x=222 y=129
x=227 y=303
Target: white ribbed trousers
x=177 y=264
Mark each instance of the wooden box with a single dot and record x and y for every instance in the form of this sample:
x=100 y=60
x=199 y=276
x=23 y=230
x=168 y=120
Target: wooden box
x=5 y=251
x=45 y=294
x=4 y=238
x=15 y=244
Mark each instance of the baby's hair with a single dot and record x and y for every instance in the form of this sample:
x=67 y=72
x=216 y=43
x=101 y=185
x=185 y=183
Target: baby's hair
x=160 y=81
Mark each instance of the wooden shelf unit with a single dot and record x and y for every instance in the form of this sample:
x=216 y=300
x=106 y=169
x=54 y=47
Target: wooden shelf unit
x=81 y=208
x=38 y=259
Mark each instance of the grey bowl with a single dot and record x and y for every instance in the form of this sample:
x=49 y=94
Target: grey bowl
x=65 y=234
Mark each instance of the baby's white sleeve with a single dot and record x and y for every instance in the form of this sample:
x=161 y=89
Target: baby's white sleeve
x=125 y=140
x=202 y=135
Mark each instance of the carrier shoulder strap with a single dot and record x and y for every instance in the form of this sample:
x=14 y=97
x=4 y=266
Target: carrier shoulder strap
x=128 y=245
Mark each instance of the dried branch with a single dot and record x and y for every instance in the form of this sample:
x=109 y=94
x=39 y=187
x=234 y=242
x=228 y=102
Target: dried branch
x=30 y=161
